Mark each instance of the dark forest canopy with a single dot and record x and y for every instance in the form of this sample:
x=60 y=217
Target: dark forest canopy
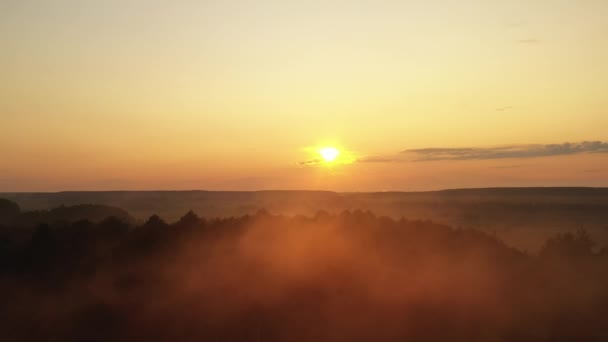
x=11 y=214
x=352 y=276
x=522 y=217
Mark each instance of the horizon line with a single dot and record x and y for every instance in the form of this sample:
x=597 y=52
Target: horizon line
x=314 y=190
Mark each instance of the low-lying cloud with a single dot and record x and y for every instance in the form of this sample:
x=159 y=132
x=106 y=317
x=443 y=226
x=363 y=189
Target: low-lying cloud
x=485 y=153
x=515 y=151
x=311 y=162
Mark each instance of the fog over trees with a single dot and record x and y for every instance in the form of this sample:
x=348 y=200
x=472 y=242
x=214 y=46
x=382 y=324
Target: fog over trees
x=70 y=275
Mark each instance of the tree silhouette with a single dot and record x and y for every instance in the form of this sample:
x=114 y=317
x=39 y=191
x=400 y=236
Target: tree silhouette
x=569 y=245
x=8 y=211
x=353 y=276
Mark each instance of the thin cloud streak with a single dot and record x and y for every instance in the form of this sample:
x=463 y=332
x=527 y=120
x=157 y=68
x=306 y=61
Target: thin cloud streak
x=478 y=153
x=311 y=162
x=516 y=151
x=529 y=41
x=487 y=153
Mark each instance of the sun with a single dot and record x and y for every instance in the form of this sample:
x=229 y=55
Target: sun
x=329 y=154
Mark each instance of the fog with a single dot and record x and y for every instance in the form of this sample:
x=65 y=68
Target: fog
x=352 y=276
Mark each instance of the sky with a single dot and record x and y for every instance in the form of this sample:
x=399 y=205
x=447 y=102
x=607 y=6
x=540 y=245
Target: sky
x=240 y=95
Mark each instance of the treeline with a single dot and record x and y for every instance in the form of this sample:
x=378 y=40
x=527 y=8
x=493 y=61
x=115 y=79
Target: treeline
x=347 y=277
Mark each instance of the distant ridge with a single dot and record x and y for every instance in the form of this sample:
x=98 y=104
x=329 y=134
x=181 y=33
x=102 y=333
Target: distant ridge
x=501 y=190
x=544 y=210
x=555 y=191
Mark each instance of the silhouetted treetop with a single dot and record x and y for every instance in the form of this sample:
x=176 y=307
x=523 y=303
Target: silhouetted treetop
x=189 y=219
x=352 y=276
x=8 y=210
x=568 y=245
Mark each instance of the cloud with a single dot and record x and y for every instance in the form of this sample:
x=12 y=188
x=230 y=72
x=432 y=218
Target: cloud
x=475 y=153
x=515 y=151
x=530 y=41
x=311 y=162
x=344 y=157
x=485 y=153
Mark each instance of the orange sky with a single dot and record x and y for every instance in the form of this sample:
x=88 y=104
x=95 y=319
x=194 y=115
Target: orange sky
x=236 y=94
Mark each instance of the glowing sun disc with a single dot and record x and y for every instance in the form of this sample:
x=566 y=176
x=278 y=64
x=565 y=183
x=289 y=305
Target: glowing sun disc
x=329 y=154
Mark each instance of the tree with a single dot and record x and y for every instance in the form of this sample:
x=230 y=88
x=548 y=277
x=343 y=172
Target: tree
x=9 y=210
x=568 y=245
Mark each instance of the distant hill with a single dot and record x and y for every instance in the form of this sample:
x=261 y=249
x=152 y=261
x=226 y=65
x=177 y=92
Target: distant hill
x=172 y=204
x=507 y=212
x=10 y=213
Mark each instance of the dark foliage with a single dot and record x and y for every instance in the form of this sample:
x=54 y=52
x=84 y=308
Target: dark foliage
x=8 y=211
x=346 y=277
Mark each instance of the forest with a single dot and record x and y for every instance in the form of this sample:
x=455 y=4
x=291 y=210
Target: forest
x=349 y=276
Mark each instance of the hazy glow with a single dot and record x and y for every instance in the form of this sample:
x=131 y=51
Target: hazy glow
x=224 y=94
x=329 y=154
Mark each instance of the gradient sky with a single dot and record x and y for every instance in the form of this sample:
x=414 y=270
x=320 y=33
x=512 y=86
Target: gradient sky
x=235 y=94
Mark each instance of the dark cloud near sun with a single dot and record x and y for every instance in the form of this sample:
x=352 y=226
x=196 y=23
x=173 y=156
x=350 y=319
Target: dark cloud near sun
x=477 y=153
x=485 y=153
x=516 y=151
x=311 y=162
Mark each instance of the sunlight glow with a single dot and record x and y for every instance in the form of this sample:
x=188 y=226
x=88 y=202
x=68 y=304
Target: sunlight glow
x=329 y=154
